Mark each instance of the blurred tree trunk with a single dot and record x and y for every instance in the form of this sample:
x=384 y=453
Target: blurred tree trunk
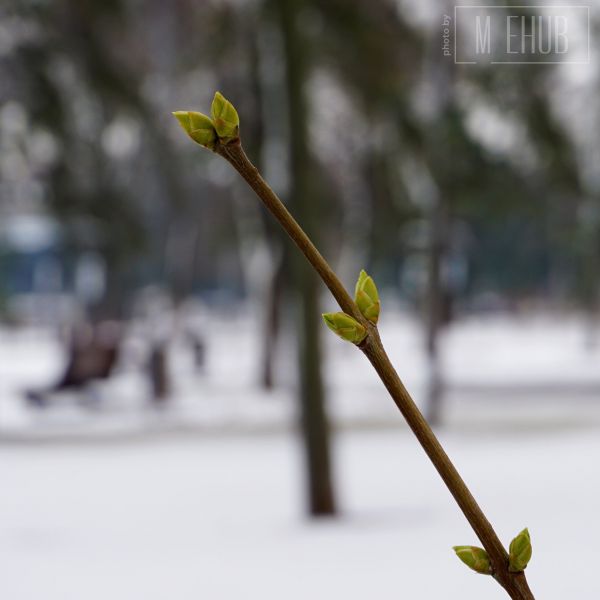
x=315 y=427
x=255 y=140
x=437 y=297
x=435 y=310
x=158 y=373
x=587 y=288
x=271 y=325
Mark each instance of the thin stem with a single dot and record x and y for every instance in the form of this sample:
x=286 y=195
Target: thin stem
x=375 y=352
x=237 y=157
x=514 y=584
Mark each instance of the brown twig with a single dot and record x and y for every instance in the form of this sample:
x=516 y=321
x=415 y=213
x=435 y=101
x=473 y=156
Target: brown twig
x=515 y=584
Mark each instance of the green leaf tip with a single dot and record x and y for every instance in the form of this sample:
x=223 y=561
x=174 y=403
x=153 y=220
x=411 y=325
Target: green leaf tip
x=345 y=326
x=225 y=118
x=475 y=558
x=519 y=552
x=199 y=127
x=366 y=297
x=223 y=127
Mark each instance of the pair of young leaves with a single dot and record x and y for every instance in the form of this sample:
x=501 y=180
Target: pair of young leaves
x=224 y=125
x=367 y=300
x=519 y=554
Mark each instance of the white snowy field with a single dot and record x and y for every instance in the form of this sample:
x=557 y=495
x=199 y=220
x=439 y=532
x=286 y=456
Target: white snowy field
x=188 y=517
x=535 y=372
x=203 y=499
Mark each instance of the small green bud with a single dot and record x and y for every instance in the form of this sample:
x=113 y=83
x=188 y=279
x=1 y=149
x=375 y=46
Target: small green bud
x=519 y=552
x=367 y=297
x=475 y=558
x=345 y=326
x=225 y=118
x=198 y=126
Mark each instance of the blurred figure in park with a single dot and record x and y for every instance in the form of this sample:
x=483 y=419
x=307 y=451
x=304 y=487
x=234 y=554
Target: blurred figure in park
x=93 y=354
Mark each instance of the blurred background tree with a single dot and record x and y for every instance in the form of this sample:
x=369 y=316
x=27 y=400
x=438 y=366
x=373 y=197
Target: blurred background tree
x=461 y=189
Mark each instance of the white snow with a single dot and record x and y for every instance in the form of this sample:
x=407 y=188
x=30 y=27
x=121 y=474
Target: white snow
x=221 y=518
x=502 y=371
x=204 y=499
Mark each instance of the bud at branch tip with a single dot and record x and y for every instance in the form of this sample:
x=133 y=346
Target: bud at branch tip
x=224 y=126
x=225 y=118
x=198 y=126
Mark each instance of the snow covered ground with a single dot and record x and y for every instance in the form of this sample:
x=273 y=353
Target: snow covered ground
x=204 y=499
x=501 y=371
x=221 y=518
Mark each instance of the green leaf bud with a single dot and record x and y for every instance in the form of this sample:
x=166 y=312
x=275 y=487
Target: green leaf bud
x=198 y=126
x=345 y=326
x=519 y=552
x=367 y=297
x=475 y=558
x=225 y=118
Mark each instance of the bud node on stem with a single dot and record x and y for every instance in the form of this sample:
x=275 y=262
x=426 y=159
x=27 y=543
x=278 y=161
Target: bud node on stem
x=366 y=297
x=347 y=327
x=520 y=551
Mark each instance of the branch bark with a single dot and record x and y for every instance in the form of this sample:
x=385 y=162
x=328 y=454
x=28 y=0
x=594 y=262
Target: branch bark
x=515 y=584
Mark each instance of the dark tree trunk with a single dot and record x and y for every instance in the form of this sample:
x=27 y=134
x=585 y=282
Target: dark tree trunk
x=254 y=140
x=158 y=372
x=315 y=427
x=271 y=326
x=434 y=318
x=437 y=294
